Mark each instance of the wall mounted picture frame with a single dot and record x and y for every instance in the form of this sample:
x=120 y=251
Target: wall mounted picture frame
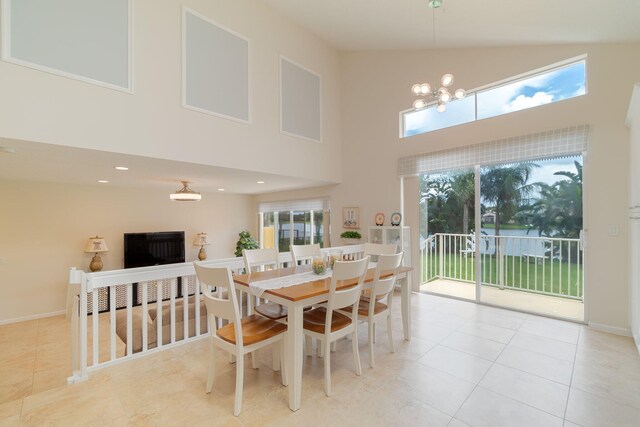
x=351 y=217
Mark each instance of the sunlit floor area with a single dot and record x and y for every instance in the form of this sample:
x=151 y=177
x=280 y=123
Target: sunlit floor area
x=466 y=365
x=535 y=303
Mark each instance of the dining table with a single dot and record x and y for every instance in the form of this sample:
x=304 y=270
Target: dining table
x=297 y=297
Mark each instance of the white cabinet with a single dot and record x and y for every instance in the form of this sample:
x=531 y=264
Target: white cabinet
x=390 y=234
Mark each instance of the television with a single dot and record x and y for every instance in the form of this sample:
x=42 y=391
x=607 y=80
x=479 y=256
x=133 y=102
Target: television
x=158 y=248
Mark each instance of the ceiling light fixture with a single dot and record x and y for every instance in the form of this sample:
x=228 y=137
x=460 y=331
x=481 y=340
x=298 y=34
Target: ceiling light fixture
x=185 y=194
x=103 y=181
x=220 y=189
x=259 y=182
x=121 y=168
x=428 y=95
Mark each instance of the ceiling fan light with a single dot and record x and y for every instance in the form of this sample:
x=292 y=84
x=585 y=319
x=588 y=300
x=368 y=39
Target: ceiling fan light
x=419 y=104
x=441 y=108
x=415 y=89
x=444 y=97
x=460 y=93
x=447 y=80
x=425 y=88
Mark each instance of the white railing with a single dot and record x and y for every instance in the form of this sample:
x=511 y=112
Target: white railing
x=98 y=337
x=543 y=265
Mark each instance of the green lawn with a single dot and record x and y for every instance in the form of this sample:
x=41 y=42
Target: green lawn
x=506 y=226
x=567 y=277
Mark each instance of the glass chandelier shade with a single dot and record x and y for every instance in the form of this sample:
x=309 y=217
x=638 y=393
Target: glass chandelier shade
x=427 y=95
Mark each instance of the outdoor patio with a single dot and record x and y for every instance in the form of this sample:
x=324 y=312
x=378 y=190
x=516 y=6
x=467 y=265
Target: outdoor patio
x=519 y=300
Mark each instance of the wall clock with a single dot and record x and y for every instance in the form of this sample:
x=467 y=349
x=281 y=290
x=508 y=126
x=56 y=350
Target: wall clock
x=396 y=218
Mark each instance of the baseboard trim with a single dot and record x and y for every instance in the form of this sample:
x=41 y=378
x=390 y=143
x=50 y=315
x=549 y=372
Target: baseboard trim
x=610 y=329
x=32 y=317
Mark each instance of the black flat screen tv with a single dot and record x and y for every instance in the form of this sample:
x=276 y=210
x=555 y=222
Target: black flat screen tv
x=159 y=248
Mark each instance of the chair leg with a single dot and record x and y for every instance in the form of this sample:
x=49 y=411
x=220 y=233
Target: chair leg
x=326 y=347
x=232 y=358
x=371 y=339
x=334 y=346
x=308 y=348
x=237 y=407
x=212 y=369
x=390 y=333
x=254 y=359
x=320 y=348
x=356 y=352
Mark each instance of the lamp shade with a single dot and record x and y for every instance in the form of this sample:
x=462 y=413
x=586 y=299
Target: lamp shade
x=201 y=239
x=95 y=245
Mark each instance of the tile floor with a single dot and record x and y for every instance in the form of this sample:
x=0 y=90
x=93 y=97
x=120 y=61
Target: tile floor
x=466 y=365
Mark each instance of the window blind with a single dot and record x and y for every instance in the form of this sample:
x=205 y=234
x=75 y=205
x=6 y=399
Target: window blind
x=321 y=204
x=542 y=145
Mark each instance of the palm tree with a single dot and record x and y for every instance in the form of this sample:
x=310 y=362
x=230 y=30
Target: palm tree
x=506 y=187
x=463 y=191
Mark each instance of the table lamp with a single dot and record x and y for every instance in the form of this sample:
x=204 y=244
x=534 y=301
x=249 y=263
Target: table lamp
x=96 y=245
x=201 y=240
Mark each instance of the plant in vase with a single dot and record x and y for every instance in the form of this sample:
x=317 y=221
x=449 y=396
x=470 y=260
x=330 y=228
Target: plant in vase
x=245 y=242
x=351 y=237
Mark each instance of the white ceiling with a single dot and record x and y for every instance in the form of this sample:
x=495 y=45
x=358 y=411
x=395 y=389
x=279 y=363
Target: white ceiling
x=33 y=161
x=408 y=24
x=347 y=25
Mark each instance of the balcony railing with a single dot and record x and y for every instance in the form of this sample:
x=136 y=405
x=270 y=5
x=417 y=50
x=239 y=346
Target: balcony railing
x=542 y=265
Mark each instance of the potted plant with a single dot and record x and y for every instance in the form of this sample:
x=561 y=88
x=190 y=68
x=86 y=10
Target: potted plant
x=245 y=242
x=351 y=237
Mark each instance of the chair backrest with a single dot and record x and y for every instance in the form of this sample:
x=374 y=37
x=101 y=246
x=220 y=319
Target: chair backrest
x=304 y=253
x=380 y=249
x=260 y=259
x=342 y=271
x=383 y=287
x=224 y=308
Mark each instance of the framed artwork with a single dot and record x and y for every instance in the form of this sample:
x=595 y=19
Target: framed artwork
x=351 y=217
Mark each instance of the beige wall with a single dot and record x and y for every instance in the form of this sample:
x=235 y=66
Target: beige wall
x=376 y=87
x=44 y=228
x=151 y=122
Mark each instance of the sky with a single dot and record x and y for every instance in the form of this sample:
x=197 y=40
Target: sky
x=556 y=85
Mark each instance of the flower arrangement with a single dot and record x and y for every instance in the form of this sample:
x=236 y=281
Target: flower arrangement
x=318 y=266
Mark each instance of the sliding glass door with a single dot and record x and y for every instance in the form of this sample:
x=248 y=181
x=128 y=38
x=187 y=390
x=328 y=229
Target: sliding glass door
x=514 y=243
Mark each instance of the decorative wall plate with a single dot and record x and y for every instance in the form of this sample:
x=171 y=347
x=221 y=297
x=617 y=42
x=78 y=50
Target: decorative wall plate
x=379 y=219
x=396 y=218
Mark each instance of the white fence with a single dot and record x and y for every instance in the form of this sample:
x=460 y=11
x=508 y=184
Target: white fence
x=544 y=265
x=126 y=330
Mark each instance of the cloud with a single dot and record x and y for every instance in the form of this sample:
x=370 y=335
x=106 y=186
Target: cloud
x=522 y=102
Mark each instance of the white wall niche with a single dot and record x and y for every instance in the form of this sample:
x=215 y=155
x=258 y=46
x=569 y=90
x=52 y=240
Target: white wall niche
x=86 y=40
x=300 y=101
x=215 y=68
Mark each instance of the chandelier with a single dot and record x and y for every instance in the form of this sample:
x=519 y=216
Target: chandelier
x=427 y=94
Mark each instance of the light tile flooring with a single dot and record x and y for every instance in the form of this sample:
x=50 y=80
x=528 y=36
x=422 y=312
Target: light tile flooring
x=466 y=365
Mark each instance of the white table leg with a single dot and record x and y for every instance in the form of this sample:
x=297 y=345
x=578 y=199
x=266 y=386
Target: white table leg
x=406 y=307
x=295 y=340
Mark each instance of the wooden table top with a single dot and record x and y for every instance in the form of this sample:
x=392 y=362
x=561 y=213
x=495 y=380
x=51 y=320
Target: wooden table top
x=303 y=290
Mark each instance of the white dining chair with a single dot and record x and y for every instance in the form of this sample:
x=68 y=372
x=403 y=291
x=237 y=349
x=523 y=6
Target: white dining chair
x=261 y=260
x=241 y=335
x=327 y=325
x=379 y=304
x=304 y=254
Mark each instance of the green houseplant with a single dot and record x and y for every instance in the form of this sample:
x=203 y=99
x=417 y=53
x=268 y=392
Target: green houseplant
x=351 y=235
x=245 y=241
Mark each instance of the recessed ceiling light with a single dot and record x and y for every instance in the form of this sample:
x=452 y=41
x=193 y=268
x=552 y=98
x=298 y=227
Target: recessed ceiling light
x=260 y=182
x=220 y=189
x=121 y=168
x=103 y=181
